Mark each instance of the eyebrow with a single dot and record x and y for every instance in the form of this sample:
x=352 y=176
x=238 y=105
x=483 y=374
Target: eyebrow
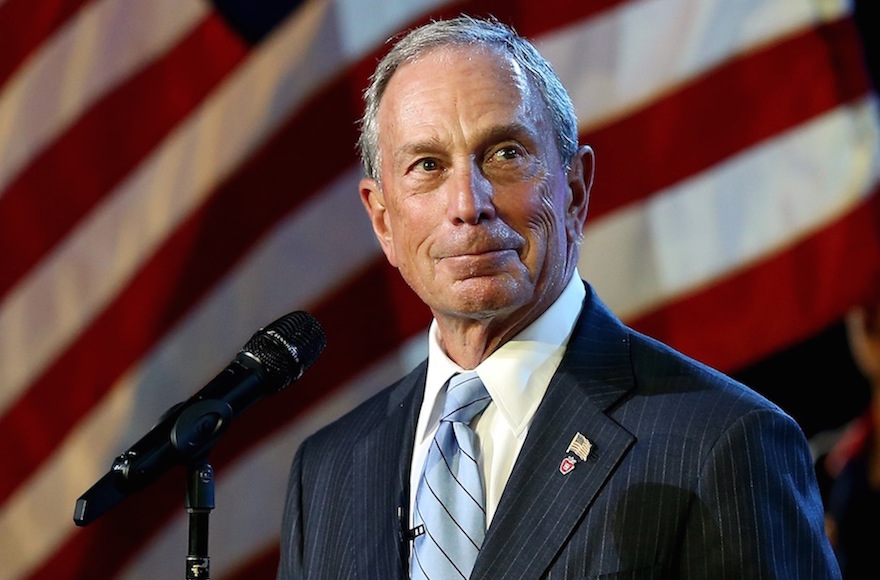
x=513 y=130
x=415 y=148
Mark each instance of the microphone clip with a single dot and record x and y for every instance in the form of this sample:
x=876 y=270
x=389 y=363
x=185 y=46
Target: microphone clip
x=413 y=533
x=406 y=533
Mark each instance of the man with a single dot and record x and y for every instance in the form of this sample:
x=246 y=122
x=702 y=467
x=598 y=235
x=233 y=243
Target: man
x=602 y=452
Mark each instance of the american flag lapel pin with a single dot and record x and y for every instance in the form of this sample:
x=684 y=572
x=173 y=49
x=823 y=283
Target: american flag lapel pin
x=580 y=447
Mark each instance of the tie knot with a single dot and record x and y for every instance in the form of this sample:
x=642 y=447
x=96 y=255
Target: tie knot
x=466 y=397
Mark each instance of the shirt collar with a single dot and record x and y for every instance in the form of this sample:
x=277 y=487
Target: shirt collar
x=518 y=373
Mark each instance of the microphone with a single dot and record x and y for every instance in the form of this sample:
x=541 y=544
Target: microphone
x=273 y=358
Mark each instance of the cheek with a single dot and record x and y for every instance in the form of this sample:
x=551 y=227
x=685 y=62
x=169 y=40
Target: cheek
x=411 y=233
x=547 y=227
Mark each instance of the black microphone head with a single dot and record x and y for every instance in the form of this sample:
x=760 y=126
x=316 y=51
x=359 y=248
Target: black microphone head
x=288 y=346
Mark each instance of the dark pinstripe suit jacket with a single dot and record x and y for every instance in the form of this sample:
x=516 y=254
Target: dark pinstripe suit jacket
x=692 y=475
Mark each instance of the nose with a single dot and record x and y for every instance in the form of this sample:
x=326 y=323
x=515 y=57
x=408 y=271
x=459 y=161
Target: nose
x=470 y=197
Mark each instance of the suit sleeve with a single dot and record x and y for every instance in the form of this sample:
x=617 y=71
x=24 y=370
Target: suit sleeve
x=290 y=566
x=757 y=513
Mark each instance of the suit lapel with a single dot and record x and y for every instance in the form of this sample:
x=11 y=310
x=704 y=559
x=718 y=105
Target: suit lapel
x=382 y=457
x=541 y=505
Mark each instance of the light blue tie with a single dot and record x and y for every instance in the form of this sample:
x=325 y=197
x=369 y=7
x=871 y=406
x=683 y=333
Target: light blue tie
x=450 y=501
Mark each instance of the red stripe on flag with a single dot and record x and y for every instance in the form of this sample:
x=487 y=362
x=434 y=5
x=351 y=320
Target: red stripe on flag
x=395 y=315
x=24 y=24
x=107 y=142
x=780 y=300
x=734 y=106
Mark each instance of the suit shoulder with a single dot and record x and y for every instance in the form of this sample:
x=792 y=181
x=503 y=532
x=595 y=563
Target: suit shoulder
x=659 y=369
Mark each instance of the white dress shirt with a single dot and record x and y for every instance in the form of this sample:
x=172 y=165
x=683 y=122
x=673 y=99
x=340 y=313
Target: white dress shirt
x=516 y=375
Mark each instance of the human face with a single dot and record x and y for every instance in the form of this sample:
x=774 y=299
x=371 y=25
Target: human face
x=475 y=207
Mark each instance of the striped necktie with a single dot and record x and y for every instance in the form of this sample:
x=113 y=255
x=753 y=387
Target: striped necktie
x=450 y=500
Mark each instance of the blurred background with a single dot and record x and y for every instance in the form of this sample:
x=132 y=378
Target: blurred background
x=175 y=174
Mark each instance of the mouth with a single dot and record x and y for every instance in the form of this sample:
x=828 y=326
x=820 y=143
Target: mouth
x=475 y=252
x=475 y=263
x=480 y=250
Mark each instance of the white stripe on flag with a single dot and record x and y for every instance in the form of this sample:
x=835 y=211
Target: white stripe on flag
x=365 y=25
x=723 y=219
x=101 y=46
x=640 y=50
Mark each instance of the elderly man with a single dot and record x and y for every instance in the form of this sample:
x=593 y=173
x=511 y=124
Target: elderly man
x=541 y=438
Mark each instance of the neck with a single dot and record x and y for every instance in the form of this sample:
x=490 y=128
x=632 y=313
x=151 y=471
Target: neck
x=469 y=343
x=469 y=340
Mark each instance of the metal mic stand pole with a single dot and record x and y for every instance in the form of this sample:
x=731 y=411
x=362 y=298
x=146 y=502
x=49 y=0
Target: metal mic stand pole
x=199 y=503
x=194 y=434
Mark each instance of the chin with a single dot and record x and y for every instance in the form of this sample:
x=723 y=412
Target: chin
x=480 y=299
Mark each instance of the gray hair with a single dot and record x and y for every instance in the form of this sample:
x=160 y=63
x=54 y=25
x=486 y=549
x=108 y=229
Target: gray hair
x=468 y=31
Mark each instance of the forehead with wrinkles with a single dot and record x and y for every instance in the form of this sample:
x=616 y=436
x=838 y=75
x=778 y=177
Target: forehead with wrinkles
x=440 y=89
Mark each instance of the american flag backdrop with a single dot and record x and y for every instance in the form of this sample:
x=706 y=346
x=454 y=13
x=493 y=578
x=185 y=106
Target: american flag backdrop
x=175 y=174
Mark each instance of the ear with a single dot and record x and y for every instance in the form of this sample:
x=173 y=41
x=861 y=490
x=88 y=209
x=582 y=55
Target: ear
x=374 y=202
x=580 y=182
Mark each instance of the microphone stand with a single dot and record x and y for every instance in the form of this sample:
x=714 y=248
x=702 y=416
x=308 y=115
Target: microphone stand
x=194 y=434
x=199 y=503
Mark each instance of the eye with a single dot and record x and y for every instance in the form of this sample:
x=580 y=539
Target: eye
x=509 y=160
x=505 y=153
x=427 y=164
